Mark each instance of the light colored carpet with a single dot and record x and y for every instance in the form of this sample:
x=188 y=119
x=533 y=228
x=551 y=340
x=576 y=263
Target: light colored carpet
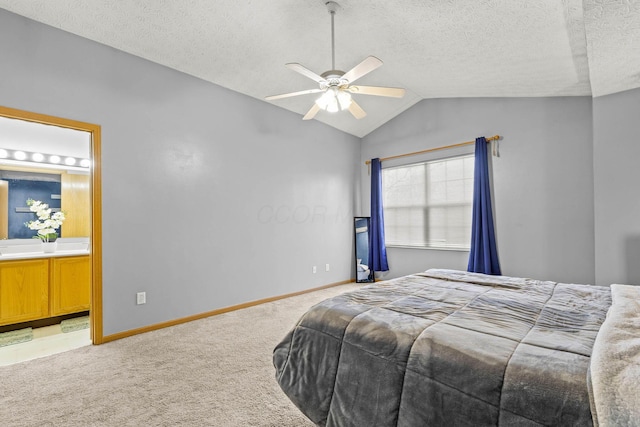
x=216 y=371
x=16 y=337
x=74 y=324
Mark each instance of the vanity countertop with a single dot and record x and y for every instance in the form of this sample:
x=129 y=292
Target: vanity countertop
x=35 y=255
x=33 y=251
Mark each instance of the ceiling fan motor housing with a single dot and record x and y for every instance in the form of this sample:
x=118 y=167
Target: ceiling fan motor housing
x=333 y=78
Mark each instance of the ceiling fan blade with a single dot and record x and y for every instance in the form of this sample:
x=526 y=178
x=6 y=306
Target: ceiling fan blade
x=356 y=110
x=312 y=112
x=305 y=71
x=369 y=64
x=393 y=92
x=287 y=95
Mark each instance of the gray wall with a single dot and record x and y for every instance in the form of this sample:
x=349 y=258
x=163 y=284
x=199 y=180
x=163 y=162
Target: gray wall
x=616 y=141
x=210 y=198
x=542 y=181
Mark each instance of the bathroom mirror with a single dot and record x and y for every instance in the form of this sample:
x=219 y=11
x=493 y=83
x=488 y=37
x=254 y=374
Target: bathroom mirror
x=361 y=230
x=47 y=163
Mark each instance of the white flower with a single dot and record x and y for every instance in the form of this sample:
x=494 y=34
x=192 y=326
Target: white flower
x=58 y=216
x=35 y=205
x=43 y=213
x=35 y=225
x=46 y=224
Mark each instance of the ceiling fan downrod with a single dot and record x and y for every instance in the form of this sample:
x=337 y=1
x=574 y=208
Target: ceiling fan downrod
x=332 y=7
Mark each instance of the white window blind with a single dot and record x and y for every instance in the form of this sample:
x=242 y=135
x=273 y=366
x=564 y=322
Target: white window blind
x=429 y=204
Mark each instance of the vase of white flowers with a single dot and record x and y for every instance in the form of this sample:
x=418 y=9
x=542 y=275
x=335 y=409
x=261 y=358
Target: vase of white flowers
x=46 y=224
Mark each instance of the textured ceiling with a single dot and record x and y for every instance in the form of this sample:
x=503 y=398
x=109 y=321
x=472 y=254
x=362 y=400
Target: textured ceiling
x=432 y=48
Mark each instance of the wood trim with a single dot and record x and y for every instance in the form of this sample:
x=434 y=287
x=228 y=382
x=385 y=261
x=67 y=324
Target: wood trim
x=95 y=310
x=29 y=116
x=162 y=325
x=96 y=204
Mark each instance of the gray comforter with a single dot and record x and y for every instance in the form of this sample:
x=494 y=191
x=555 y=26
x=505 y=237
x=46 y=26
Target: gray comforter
x=615 y=362
x=445 y=348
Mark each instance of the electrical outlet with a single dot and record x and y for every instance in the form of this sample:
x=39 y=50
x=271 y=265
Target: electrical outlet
x=314 y=269
x=326 y=267
x=141 y=298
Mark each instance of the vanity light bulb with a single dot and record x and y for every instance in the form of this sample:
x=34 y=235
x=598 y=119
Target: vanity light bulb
x=37 y=157
x=20 y=155
x=70 y=161
x=85 y=163
x=54 y=159
x=3 y=153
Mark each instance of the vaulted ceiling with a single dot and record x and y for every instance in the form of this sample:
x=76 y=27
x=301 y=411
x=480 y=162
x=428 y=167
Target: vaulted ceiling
x=432 y=48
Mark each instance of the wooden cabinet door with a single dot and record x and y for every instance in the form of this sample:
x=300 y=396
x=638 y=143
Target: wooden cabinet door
x=70 y=285
x=24 y=290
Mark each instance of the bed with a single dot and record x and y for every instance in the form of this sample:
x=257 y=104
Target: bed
x=450 y=348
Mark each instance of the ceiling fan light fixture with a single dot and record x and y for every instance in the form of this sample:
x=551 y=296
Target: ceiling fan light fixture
x=334 y=100
x=344 y=99
x=325 y=99
x=333 y=106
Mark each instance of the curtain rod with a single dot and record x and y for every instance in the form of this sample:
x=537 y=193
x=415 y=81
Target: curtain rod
x=461 y=144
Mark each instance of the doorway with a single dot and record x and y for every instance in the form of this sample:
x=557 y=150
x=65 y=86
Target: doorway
x=93 y=211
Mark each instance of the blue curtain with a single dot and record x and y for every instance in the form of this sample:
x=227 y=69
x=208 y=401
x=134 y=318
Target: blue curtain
x=484 y=256
x=377 y=248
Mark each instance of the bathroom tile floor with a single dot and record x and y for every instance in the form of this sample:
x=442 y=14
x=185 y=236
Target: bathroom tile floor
x=46 y=341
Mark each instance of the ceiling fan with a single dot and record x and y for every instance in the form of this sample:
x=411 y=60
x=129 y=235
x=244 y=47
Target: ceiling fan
x=337 y=86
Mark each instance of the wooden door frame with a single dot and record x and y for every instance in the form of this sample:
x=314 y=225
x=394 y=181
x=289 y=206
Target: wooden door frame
x=95 y=311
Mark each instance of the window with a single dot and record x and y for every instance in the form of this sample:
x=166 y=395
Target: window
x=429 y=204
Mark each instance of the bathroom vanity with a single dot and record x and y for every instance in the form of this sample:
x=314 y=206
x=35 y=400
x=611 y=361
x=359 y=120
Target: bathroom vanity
x=36 y=285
